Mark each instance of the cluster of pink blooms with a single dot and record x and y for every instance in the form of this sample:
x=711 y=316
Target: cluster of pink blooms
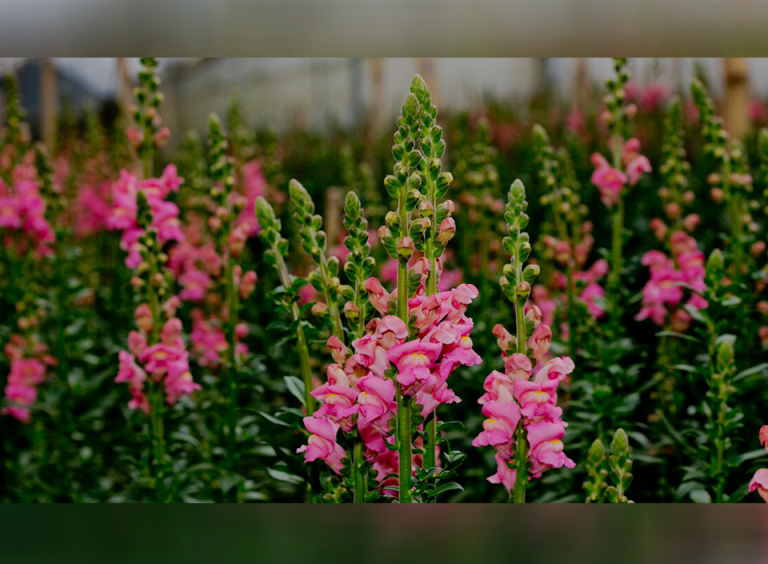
x=649 y=97
x=360 y=395
x=760 y=480
x=166 y=362
x=195 y=263
x=254 y=184
x=93 y=209
x=198 y=268
x=664 y=292
x=525 y=394
x=22 y=209
x=209 y=343
x=611 y=181
x=29 y=360
x=165 y=215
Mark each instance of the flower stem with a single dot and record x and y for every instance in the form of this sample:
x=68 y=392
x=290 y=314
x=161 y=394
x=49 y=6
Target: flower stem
x=403 y=403
x=358 y=472
x=521 y=454
x=231 y=365
x=301 y=339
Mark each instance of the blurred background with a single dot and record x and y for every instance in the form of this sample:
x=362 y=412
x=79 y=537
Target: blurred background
x=327 y=94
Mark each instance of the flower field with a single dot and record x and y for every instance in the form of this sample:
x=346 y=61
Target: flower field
x=536 y=302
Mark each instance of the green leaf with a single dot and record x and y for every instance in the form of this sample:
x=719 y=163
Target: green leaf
x=700 y=496
x=296 y=387
x=450 y=486
x=751 y=371
x=284 y=476
x=274 y=420
x=751 y=455
x=677 y=335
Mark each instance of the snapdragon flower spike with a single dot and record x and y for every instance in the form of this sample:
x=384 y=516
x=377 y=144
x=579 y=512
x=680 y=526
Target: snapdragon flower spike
x=762 y=148
x=759 y=481
x=675 y=169
x=15 y=142
x=277 y=250
x=478 y=184
x=523 y=422
x=148 y=134
x=359 y=265
x=568 y=240
x=325 y=278
x=726 y=182
x=29 y=360
x=663 y=294
x=620 y=465
x=157 y=346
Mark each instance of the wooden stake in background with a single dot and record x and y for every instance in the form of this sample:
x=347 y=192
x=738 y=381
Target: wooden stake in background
x=377 y=97
x=736 y=111
x=50 y=106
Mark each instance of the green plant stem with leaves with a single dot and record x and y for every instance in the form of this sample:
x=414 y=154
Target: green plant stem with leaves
x=721 y=149
x=358 y=268
x=276 y=252
x=66 y=425
x=152 y=284
x=146 y=116
x=222 y=174
x=325 y=277
x=618 y=123
x=516 y=284
x=434 y=187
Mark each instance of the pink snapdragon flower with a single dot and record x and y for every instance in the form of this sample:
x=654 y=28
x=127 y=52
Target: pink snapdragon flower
x=664 y=292
x=516 y=398
x=545 y=440
x=21 y=388
x=322 y=443
x=414 y=360
x=760 y=483
x=499 y=427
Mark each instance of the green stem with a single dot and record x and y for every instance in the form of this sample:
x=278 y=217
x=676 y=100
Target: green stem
x=301 y=338
x=521 y=455
x=159 y=441
x=333 y=306
x=616 y=259
x=231 y=365
x=521 y=463
x=62 y=371
x=569 y=309
x=404 y=446
x=358 y=472
x=304 y=366
x=403 y=403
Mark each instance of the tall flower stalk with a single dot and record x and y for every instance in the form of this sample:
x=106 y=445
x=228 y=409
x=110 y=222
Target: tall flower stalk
x=440 y=226
x=358 y=268
x=230 y=241
x=403 y=185
x=276 y=252
x=325 y=277
x=149 y=133
x=726 y=182
x=625 y=167
x=523 y=422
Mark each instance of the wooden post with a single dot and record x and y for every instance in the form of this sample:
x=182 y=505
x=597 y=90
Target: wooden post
x=377 y=96
x=581 y=84
x=736 y=111
x=50 y=106
x=124 y=94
